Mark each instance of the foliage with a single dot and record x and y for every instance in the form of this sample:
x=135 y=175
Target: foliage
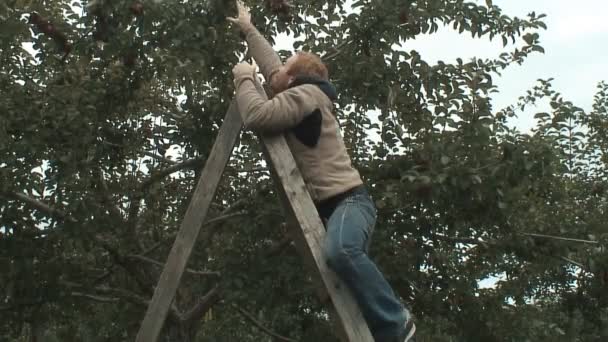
x=105 y=128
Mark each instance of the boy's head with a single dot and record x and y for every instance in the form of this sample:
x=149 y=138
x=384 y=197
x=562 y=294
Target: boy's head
x=300 y=64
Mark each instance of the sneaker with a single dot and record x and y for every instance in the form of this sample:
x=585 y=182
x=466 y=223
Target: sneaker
x=410 y=329
x=406 y=335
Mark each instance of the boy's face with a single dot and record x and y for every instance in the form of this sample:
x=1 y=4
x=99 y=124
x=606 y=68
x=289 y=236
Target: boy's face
x=281 y=79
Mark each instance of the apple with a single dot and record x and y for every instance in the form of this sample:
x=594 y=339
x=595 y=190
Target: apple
x=137 y=8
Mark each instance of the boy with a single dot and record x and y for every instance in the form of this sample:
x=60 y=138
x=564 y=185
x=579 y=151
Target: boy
x=302 y=106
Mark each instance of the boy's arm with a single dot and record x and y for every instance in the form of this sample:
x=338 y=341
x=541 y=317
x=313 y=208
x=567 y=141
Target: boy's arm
x=287 y=109
x=259 y=48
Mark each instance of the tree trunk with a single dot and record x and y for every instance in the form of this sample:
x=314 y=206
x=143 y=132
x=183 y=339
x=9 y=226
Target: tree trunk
x=183 y=332
x=36 y=331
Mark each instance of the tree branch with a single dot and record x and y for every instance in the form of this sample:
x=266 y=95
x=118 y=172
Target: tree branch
x=559 y=238
x=156 y=176
x=25 y=304
x=127 y=295
x=578 y=264
x=207 y=235
x=158 y=157
x=62 y=215
x=157 y=263
x=279 y=246
x=203 y=305
x=471 y=241
x=146 y=153
x=105 y=191
x=363 y=32
x=223 y=216
x=476 y=241
x=36 y=204
x=255 y=322
x=248 y=170
x=124 y=294
x=204 y=237
x=338 y=50
x=95 y=297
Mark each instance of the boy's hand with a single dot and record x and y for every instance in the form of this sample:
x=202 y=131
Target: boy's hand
x=244 y=17
x=244 y=68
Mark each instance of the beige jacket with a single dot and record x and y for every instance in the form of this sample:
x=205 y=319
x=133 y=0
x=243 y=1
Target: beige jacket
x=326 y=167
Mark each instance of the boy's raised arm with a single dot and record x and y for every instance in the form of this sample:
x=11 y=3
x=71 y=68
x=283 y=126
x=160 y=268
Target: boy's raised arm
x=259 y=48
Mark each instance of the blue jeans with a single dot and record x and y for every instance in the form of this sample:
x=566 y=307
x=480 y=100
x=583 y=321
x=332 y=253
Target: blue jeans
x=349 y=230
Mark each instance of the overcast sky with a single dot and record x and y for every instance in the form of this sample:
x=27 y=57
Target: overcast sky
x=576 y=45
x=576 y=51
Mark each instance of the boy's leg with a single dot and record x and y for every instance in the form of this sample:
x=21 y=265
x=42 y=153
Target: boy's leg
x=349 y=231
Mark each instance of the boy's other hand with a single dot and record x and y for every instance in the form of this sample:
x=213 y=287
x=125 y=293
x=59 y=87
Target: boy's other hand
x=244 y=69
x=244 y=16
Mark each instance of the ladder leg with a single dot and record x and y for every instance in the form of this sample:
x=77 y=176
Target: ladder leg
x=309 y=233
x=195 y=215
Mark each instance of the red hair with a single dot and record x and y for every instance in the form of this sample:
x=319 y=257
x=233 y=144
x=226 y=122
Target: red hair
x=308 y=64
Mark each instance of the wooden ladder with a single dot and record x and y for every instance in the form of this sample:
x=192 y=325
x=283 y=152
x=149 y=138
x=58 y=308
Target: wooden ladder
x=303 y=220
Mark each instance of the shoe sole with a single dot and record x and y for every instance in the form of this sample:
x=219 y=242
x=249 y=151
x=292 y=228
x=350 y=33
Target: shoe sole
x=410 y=334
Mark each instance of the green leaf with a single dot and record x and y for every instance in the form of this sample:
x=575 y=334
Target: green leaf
x=538 y=48
x=529 y=38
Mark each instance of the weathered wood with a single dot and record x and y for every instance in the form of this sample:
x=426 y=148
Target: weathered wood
x=308 y=233
x=186 y=238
